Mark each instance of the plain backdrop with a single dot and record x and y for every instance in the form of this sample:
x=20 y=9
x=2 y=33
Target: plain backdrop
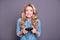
x=48 y=13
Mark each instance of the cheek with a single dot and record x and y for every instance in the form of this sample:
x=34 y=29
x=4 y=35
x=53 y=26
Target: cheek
x=31 y=14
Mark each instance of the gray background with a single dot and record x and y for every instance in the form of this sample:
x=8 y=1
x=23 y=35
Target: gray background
x=48 y=12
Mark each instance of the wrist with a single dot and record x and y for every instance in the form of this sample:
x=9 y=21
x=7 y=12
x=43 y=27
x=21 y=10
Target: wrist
x=21 y=32
x=36 y=32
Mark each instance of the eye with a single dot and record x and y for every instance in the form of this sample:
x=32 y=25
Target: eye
x=26 y=10
x=31 y=10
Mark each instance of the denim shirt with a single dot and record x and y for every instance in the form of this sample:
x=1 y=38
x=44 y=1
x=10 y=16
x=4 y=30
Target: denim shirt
x=29 y=35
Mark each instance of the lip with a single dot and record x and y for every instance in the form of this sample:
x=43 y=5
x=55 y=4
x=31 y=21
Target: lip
x=28 y=15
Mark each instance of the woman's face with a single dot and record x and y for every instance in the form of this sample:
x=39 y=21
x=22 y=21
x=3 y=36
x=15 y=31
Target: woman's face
x=29 y=11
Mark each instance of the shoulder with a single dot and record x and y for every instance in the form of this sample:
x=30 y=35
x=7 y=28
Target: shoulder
x=19 y=19
x=38 y=20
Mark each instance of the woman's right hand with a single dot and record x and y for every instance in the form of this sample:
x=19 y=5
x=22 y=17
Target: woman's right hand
x=24 y=31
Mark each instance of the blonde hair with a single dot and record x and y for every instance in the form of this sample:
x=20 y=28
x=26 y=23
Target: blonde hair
x=34 y=17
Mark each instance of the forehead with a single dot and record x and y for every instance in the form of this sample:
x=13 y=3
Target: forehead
x=29 y=7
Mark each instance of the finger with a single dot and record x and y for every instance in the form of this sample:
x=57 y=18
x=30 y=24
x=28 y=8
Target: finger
x=26 y=32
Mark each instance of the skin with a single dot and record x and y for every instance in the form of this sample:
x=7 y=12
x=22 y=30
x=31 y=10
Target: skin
x=29 y=14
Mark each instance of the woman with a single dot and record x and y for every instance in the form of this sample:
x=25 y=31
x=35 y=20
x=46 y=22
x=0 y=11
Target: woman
x=28 y=26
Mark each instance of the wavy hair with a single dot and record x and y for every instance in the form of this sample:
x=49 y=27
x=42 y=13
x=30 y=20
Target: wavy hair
x=34 y=17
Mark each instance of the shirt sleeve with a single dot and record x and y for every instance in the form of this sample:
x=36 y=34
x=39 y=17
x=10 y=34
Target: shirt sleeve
x=39 y=28
x=18 y=28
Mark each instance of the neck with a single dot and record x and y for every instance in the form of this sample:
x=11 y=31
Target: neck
x=29 y=18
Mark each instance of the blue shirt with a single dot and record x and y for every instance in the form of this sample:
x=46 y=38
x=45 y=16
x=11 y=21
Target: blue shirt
x=29 y=35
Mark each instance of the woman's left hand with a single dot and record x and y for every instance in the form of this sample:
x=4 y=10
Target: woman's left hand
x=34 y=30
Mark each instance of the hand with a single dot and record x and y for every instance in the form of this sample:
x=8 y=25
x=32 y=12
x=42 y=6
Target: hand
x=24 y=31
x=34 y=30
